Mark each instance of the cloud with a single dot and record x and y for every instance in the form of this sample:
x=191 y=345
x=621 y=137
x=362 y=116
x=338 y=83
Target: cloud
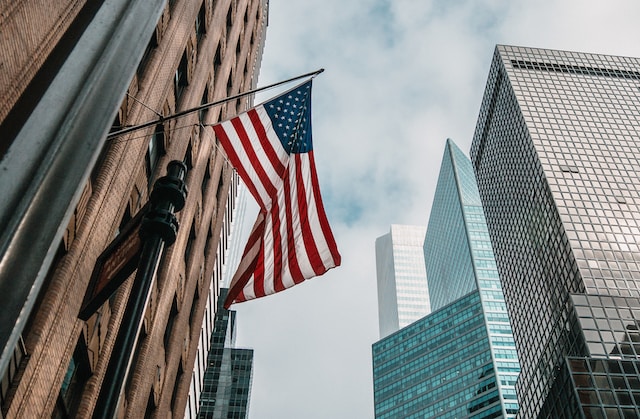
x=401 y=77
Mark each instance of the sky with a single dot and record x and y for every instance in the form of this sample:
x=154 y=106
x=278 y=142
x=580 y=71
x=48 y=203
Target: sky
x=401 y=77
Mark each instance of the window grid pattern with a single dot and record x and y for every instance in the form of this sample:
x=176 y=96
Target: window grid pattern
x=459 y=258
x=555 y=153
x=606 y=388
x=448 y=382
x=403 y=296
x=460 y=360
x=226 y=387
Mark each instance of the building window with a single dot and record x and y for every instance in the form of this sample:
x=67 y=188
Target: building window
x=205 y=99
x=169 y=329
x=155 y=150
x=229 y=19
x=181 y=80
x=142 y=65
x=151 y=407
x=188 y=159
x=217 y=61
x=194 y=308
x=190 y=242
x=126 y=217
x=175 y=389
x=201 y=27
x=78 y=372
x=205 y=182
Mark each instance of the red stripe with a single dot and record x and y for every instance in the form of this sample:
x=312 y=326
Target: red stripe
x=307 y=234
x=322 y=216
x=258 y=265
x=278 y=167
x=241 y=279
x=277 y=247
x=294 y=266
x=253 y=158
x=235 y=161
x=258 y=273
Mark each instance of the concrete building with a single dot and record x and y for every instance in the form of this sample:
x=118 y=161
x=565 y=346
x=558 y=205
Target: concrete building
x=555 y=153
x=403 y=296
x=73 y=71
x=460 y=360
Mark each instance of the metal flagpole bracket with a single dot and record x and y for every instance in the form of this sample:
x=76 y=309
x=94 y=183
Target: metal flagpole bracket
x=126 y=130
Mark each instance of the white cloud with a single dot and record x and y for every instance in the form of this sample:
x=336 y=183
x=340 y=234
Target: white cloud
x=401 y=76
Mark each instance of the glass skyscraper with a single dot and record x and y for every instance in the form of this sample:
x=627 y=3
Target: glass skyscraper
x=459 y=361
x=403 y=296
x=555 y=153
x=226 y=388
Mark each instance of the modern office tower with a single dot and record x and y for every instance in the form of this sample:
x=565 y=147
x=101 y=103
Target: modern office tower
x=402 y=284
x=227 y=381
x=73 y=71
x=556 y=157
x=227 y=258
x=459 y=361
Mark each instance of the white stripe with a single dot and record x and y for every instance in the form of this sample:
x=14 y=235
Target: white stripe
x=287 y=279
x=314 y=220
x=248 y=291
x=268 y=256
x=301 y=253
x=263 y=160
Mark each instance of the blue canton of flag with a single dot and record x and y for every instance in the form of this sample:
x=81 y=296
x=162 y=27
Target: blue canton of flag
x=289 y=116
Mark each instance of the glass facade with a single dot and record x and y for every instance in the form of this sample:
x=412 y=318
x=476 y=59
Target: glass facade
x=403 y=296
x=555 y=154
x=227 y=380
x=459 y=361
x=227 y=256
x=420 y=371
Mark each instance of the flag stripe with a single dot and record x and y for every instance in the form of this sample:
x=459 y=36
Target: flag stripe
x=277 y=248
x=233 y=157
x=300 y=221
x=291 y=241
x=264 y=181
x=263 y=167
x=248 y=262
x=277 y=161
x=303 y=210
x=258 y=163
x=326 y=232
x=295 y=274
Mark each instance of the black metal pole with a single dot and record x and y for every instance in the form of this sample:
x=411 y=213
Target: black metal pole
x=159 y=229
x=126 y=130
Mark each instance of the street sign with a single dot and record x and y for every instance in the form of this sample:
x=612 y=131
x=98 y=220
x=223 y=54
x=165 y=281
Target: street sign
x=116 y=263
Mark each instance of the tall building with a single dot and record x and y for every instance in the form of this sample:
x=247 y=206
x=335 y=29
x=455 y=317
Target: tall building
x=403 y=296
x=459 y=361
x=226 y=260
x=227 y=381
x=73 y=71
x=555 y=153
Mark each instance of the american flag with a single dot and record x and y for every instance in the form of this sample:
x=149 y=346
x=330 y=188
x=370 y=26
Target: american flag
x=270 y=147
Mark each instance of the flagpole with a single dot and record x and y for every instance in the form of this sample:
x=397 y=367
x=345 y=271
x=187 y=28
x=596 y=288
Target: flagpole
x=208 y=105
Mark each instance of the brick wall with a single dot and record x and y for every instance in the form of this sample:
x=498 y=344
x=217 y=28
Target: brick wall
x=119 y=187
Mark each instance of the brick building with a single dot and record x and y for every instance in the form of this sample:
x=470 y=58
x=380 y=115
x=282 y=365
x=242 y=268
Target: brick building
x=200 y=51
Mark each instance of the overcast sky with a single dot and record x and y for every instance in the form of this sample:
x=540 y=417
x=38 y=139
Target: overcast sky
x=401 y=77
